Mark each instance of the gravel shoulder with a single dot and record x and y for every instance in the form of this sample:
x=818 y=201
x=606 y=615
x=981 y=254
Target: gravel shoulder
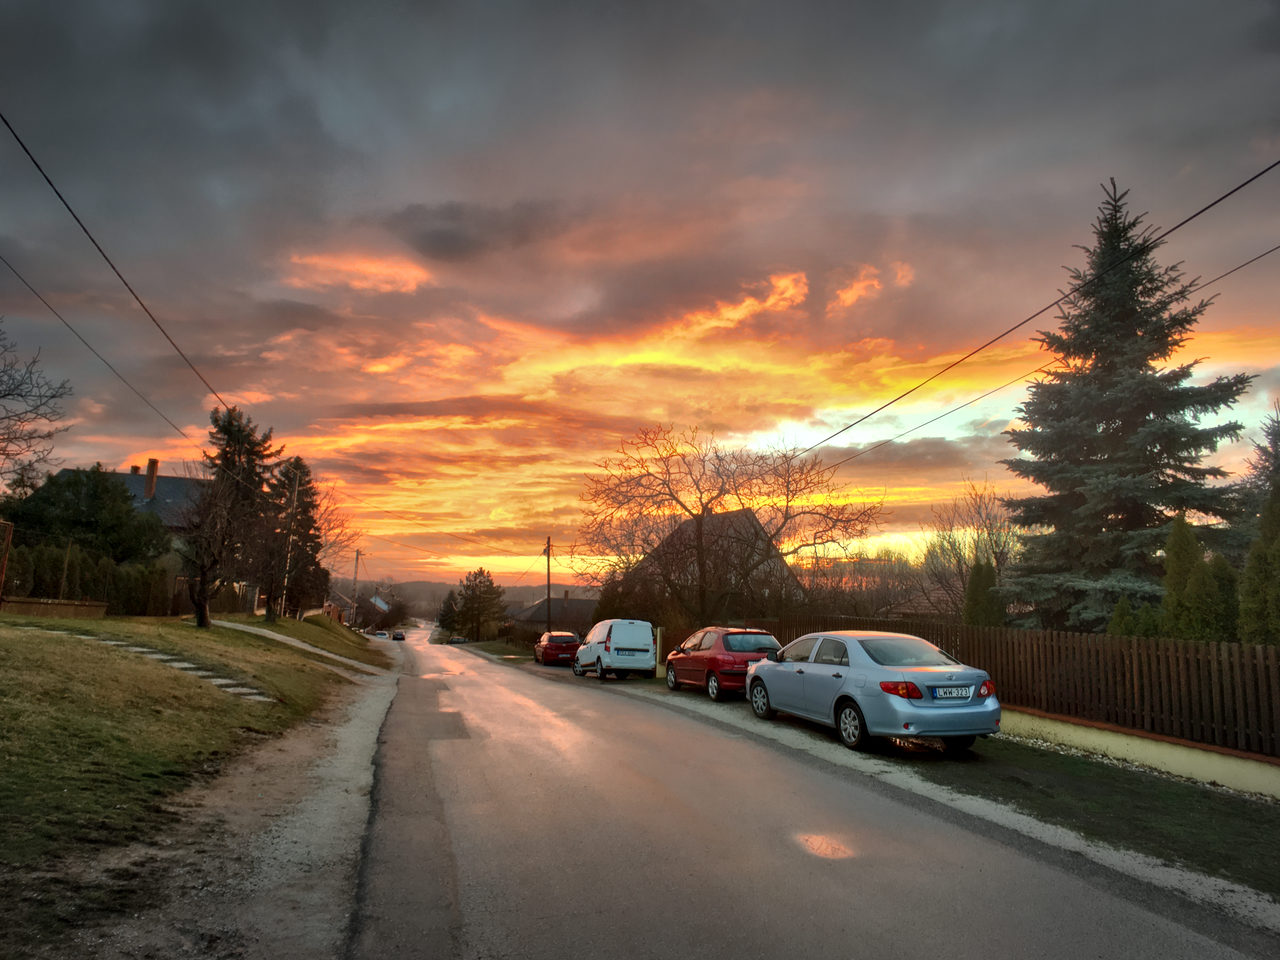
x=264 y=859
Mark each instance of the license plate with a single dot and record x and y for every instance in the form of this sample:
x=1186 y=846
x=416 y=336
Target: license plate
x=626 y=653
x=952 y=693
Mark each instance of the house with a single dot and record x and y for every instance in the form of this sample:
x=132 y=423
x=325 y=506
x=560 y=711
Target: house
x=743 y=572
x=169 y=498
x=567 y=613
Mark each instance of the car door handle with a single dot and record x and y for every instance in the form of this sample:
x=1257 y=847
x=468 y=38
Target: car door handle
x=799 y=671
x=836 y=676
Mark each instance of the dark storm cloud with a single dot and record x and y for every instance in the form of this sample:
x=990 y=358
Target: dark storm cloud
x=457 y=231
x=932 y=458
x=282 y=315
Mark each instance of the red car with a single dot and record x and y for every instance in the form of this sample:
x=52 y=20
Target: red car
x=558 y=646
x=717 y=658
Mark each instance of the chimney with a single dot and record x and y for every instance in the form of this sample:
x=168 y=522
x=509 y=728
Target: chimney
x=135 y=469
x=153 y=465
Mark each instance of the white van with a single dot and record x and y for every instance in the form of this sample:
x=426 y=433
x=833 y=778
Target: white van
x=618 y=647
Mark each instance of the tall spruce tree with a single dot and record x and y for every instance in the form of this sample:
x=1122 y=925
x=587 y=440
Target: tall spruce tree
x=224 y=527
x=1113 y=435
x=479 y=602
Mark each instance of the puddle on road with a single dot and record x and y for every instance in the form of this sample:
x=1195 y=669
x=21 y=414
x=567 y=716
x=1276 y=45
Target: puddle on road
x=828 y=848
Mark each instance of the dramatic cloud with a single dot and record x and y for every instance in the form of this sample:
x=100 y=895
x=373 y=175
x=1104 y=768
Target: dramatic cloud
x=453 y=253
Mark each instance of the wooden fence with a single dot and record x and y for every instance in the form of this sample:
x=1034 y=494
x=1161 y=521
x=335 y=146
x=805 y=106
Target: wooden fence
x=1225 y=694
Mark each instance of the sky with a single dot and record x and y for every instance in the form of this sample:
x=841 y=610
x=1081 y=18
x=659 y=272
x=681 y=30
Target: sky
x=453 y=254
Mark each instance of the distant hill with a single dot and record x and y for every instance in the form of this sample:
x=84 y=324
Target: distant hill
x=425 y=596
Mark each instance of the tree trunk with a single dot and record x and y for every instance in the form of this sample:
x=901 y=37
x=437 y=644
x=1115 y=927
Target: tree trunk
x=198 y=591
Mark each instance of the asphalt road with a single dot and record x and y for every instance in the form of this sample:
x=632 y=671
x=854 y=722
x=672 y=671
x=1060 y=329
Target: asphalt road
x=517 y=816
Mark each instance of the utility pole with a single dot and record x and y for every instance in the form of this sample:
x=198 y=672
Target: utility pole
x=355 y=585
x=547 y=551
x=288 y=546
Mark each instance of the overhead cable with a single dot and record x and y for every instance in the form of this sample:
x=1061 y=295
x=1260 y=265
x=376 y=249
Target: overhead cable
x=145 y=309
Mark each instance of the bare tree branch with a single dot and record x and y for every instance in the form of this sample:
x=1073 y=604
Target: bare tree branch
x=30 y=408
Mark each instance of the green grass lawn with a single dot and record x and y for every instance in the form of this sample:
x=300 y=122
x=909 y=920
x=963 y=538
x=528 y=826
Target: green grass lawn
x=320 y=631
x=95 y=739
x=1233 y=836
x=504 y=650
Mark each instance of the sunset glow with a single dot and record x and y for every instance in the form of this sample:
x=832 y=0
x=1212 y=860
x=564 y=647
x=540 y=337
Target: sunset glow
x=455 y=267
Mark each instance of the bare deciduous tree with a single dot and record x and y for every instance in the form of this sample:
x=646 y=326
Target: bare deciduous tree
x=862 y=585
x=680 y=511
x=338 y=538
x=971 y=527
x=30 y=408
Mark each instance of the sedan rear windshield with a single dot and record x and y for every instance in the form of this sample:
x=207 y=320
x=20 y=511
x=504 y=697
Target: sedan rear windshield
x=905 y=652
x=750 y=642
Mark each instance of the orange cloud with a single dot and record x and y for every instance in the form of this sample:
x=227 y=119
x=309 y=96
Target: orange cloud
x=786 y=290
x=358 y=272
x=866 y=284
x=903 y=274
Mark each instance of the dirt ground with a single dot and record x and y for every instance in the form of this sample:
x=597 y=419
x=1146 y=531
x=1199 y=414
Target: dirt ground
x=260 y=862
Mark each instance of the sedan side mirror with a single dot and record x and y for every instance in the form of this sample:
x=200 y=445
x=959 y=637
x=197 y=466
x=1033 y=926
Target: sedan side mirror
x=772 y=655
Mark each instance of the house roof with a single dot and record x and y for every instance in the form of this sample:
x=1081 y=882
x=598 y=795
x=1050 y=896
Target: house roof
x=173 y=498
x=737 y=534
x=563 y=610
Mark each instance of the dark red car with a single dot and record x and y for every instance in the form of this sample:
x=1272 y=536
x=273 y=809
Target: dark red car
x=558 y=646
x=717 y=658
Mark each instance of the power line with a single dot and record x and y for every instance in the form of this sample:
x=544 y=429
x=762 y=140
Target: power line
x=88 y=346
x=1044 y=369
x=1138 y=251
x=1223 y=276
x=98 y=247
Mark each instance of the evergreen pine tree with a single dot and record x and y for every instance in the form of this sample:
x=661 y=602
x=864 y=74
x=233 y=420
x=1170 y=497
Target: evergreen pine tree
x=1200 y=607
x=1182 y=556
x=1227 y=615
x=479 y=602
x=1122 y=622
x=982 y=606
x=448 y=615
x=1257 y=623
x=1113 y=436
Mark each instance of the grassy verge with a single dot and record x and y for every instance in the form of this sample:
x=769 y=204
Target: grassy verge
x=320 y=632
x=95 y=739
x=504 y=650
x=1227 y=835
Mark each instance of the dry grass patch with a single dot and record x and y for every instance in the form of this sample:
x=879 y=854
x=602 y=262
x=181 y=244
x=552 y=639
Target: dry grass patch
x=94 y=739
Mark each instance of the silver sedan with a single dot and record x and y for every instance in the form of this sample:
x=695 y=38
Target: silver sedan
x=867 y=684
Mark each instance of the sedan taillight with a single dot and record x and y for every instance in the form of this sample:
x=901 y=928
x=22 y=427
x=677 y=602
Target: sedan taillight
x=987 y=689
x=902 y=688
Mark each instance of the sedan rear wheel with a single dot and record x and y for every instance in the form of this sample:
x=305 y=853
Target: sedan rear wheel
x=955 y=745
x=672 y=682
x=851 y=726
x=713 y=687
x=577 y=668
x=760 y=705
x=600 y=671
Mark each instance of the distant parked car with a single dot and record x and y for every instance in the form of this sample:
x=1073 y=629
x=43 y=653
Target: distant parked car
x=381 y=635
x=868 y=684
x=457 y=639
x=556 y=646
x=398 y=635
x=717 y=658
x=619 y=647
